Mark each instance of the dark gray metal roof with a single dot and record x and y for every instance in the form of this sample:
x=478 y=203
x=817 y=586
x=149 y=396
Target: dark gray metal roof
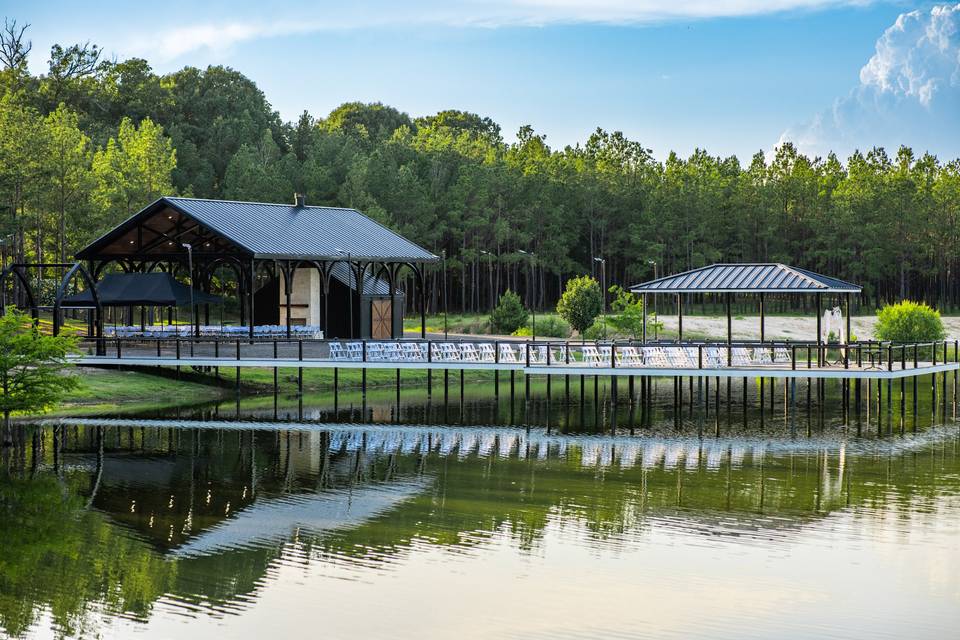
x=746 y=278
x=371 y=286
x=285 y=230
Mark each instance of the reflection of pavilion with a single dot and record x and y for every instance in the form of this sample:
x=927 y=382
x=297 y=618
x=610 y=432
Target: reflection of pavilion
x=282 y=518
x=271 y=485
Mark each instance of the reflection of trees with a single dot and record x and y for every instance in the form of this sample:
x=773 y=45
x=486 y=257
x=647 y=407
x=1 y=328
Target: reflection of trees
x=60 y=557
x=157 y=489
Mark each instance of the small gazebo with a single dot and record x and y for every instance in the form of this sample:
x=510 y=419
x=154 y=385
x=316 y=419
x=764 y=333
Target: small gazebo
x=753 y=278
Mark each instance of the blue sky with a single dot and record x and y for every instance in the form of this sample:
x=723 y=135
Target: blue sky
x=732 y=76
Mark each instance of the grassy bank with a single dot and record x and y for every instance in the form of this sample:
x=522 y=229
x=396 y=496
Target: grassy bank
x=108 y=390
x=111 y=391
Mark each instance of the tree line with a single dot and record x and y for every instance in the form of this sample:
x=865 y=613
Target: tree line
x=91 y=141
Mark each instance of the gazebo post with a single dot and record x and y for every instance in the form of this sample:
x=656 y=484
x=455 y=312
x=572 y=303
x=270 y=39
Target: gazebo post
x=762 y=320
x=644 y=318
x=846 y=312
x=819 y=319
x=679 y=317
x=729 y=318
x=423 y=303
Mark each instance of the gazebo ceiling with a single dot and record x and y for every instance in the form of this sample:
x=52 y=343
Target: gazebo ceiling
x=746 y=278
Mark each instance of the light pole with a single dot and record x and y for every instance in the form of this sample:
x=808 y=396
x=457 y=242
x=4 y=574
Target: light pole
x=603 y=286
x=493 y=302
x=533 y=307
x=349 y=288
x=193 y=306
x=656 y=316
x=443 y=255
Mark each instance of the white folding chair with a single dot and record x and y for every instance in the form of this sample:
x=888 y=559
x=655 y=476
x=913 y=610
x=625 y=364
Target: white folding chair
x=740 y=357
x=468 y=352
x=507 y=354
x=591 y=355
x=487 y=353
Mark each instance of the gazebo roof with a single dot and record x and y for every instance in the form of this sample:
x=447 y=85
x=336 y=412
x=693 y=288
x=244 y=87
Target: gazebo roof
x=253 y=229
x=747 y=278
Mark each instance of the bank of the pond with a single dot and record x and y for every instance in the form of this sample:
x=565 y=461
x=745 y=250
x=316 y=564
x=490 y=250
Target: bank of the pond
x=113 y=390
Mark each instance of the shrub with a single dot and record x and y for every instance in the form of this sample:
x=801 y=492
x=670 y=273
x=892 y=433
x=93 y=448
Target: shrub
x=509 y=314
x=909 y=321
x=547 y=327
x=581 y=303
x=596 y=331
x=628 y=313
x=553 y=327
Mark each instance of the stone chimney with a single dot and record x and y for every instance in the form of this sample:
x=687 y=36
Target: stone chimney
x=300 y=200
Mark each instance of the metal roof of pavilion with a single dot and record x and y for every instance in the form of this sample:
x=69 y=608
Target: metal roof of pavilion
x=377 y=287
x=746 y=278
x=282 y=231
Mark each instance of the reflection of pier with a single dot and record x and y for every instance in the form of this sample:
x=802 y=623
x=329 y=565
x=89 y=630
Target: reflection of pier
x=707 y=454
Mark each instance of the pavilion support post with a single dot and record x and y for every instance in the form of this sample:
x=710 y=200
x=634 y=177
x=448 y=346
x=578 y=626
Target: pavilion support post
x=325 y=275
x=729 y=318
x=679 y=317
x=644 y=334
x=392 y=275
x=819 y=328
x=846 y=313
x=423 y=303
x=251 y=292
x=762 y=319
x=287 y=290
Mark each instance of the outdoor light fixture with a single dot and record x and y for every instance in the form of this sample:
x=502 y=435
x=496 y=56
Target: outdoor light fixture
x=603 y=286
x=533 y=307
x=655 y=315
x=350 y=289
x=193 y=306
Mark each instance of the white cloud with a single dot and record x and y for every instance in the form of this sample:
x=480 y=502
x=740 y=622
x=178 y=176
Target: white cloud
x=218 y=37
x=909 y=92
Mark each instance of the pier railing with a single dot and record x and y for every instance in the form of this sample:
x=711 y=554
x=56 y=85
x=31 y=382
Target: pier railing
x=547 y=354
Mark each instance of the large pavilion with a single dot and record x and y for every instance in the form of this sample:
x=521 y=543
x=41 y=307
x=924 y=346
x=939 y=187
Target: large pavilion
x=760 y=279
x=293 y=264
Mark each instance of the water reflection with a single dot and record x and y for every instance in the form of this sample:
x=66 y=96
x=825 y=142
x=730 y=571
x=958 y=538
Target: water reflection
x=109 y=521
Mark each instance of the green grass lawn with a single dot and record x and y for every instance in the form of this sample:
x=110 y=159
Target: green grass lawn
x=105 y=390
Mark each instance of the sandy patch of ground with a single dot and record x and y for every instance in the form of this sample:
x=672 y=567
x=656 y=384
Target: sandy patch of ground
x=782 y=327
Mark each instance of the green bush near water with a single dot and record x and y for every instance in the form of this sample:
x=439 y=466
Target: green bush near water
x=509 y=315
x=909 y=321
x=547 y=327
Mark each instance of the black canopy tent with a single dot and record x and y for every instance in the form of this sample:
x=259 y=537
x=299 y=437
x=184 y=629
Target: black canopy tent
x=754 y=278
x=141 y=289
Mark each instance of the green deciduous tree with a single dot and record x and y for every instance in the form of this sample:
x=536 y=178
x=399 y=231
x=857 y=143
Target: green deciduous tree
x=627 y=318
x=31 y=367
x=581 y=303
x=133 y=170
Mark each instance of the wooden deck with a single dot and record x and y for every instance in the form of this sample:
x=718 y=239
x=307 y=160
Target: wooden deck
x=875 y=361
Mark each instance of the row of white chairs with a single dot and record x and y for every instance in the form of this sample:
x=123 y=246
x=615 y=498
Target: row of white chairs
x=681 y=357
x=186 y=330
x=687 y=357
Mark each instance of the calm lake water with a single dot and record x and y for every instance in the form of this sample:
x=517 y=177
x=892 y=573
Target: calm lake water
x=373 y=520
